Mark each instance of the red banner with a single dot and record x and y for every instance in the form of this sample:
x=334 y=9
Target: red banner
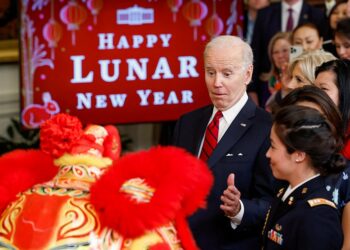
x=118 y=61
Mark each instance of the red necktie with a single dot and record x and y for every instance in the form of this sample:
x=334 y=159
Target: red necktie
x=211 y=137
x=290 y=21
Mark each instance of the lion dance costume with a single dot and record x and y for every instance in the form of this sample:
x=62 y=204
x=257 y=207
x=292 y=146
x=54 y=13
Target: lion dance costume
x=77 y=193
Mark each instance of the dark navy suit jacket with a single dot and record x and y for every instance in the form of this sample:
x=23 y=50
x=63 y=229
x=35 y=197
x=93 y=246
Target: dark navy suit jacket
x=267 y=24
x=240 y=151
x=297 y=224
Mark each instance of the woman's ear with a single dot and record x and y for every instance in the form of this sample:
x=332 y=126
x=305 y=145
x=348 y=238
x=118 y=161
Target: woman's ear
x=299 y=156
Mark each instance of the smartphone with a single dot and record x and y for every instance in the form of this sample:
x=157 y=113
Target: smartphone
x=295 y=51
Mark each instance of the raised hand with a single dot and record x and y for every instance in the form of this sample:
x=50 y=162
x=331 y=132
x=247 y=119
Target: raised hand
x=231 y=198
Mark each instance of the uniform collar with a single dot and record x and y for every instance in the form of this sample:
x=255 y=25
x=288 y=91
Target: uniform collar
x=291 y=190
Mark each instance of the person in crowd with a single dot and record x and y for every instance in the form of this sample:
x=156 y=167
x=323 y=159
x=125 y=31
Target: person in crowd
x=333 y=77
x=314 y=97
x=304 y=150
x=337 y=13
x=252 y=7
x=278 y=50
x=302 y=68
x=342 y=38
x=283 y=16
x=307 y=36
x=232 y=136
x=348 y=8
x=300 y=72
x=279 y=47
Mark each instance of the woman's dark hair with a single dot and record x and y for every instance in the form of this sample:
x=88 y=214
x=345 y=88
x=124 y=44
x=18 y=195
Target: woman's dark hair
x=335 y=6
x=308 y=25
x=315 y=95
x=341 y=69
x=307 y=130
x=343 y=28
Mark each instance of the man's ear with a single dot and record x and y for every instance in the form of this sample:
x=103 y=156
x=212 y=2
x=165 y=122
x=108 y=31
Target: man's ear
x=248 y=74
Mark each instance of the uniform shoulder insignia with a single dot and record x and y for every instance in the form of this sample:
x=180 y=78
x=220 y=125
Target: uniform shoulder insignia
x=280 y=192
x=320 y=201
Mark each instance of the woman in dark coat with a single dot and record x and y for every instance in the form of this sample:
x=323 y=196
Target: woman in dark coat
x=304 y=150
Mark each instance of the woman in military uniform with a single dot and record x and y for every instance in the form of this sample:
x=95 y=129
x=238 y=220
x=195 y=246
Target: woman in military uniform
x=304 y=149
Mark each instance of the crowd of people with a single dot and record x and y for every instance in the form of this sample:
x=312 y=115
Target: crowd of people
x=276 y=136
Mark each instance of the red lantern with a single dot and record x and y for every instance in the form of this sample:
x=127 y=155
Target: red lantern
x=95 y=6
x=195 y=11
x=214 y=25
x=174 y=7
x=73 y=15
x=52 y=33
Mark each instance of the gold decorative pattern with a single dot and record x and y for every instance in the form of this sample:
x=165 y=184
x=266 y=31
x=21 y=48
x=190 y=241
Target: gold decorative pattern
x=9 y=217
x=45 y=190
x=138 y=190
x=77 y=220
x=109 y=239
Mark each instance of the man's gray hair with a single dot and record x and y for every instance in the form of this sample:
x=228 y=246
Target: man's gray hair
x=227 y=40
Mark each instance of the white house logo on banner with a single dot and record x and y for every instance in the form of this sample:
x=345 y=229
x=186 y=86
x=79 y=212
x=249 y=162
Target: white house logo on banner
x=135 y=16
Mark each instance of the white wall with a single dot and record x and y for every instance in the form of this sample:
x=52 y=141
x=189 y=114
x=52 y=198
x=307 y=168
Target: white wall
x=143 y=135
x=9 y=94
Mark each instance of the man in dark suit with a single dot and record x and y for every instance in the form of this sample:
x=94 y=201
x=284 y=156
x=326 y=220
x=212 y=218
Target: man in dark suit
x=252 y=7
x=269 y=21
x=243 y=139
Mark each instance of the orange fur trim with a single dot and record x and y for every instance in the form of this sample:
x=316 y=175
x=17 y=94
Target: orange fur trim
x=20 y=170
x=181 y=183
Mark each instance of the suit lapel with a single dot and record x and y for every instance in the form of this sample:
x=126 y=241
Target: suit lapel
x=278 y=13
x=238 y=127
x=270 y=217
x=304 y=14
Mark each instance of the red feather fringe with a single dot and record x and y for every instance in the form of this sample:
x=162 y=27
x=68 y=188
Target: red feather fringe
x=20 y=170
x=112 y=144
x=58 y=133
x=181 y=181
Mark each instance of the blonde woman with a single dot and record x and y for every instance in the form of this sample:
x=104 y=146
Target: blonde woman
x=302 y=69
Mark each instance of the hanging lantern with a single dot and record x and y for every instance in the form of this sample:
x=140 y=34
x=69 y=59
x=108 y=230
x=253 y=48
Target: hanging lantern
x=214 y=25
x=174 y=6
x=195 y=11
x=73 y=15
x=95 y=7
x=52 y=33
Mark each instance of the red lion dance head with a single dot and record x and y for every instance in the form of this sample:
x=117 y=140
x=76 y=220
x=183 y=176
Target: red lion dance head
x=76 y=191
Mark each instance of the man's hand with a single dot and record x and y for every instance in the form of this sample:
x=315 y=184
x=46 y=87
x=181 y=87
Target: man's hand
x=231 y=198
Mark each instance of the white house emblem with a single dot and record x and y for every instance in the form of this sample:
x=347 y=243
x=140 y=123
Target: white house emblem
x=135 y=16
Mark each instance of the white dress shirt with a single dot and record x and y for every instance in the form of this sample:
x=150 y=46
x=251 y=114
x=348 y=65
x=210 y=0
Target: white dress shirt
x=296 y=13
x=227 y=117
